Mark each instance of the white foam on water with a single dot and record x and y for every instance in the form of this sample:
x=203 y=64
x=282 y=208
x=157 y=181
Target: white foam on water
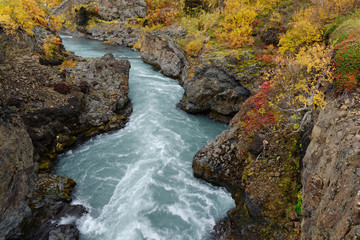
x=87 y=225
x=67 y=220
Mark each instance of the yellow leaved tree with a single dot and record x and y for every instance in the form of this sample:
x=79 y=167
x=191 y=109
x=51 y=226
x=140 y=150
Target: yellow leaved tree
x=309 y=23
x=24 y=14
x=237 y=19
x=296 y=85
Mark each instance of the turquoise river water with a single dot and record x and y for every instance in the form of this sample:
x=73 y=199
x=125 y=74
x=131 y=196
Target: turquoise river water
x=137 y=183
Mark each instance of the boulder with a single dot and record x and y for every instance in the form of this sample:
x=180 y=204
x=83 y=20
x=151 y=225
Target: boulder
x=218 y=85
x=110 y=10
x=50 y=203
x=212 y=89
x=161 y=51
x=106 y=102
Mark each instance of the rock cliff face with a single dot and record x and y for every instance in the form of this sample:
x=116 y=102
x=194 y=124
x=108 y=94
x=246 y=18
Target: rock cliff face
x=42 y=112
x=215 y=91
x=117 y=32
x=105 y=85
x=261 y=173
x=162 y=51
x=218 y=85
x=105 y=29
x=331 y=173
x=123 y=9
x=16 y=172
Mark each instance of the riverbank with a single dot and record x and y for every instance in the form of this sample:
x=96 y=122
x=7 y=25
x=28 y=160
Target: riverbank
x=51 y=109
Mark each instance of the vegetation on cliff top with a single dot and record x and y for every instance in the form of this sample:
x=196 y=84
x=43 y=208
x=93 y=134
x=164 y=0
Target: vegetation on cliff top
x=302 y=63
x=25 y=14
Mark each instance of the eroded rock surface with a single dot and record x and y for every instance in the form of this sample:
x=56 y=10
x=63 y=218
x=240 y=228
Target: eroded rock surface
x=212 y=89
x=221 y=84
x=117 y=32
x=261 y=176
x=105 y=84
x=162 y=51
x=124 y=9
x=16 y=172
x=331 y=173
x=50 y=204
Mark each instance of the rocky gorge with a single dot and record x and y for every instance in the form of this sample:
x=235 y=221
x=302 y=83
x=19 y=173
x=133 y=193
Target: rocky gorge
x=263 y=173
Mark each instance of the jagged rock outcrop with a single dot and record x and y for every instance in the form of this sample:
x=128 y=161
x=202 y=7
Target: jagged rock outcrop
x=124 y=9
x=105 y=85
x=50 y=203
x=261 y=173
x=161 y=51
x=116 y=32
x=218 y=85
x=331 y=173
x=213 y=90
x=16 y=172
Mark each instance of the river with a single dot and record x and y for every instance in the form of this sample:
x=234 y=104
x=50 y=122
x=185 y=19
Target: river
x=137 y=182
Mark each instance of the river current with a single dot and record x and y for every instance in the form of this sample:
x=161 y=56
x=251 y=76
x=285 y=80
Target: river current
x=137 y=182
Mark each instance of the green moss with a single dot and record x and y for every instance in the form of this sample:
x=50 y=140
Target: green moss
x=44 y=165
x=94 y=21
x=299 y=202
x=342 y=27
x=90 y=8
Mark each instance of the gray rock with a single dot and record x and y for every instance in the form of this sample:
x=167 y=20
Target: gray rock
x=330 y=187
x=212 y=89
x=64 y=232
x=50 y=203
x=117 y=32
x=16 y=174
x=105 y=101
x=159 y=50
x=41 y=120
x=125 y=9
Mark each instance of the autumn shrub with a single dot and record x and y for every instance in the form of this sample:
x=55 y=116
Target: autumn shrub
x=309 y=23
x=51 y=46
x=23 y=14
x=160 y=12
x=347 y=62
x=198 y=26
x=265 y=58
x=237 y=21
x=260 y=112
x=297 y=82
x=302 y=32
x=194 y=47
x=291 y=91
x=70 y=63
x=52 y=3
